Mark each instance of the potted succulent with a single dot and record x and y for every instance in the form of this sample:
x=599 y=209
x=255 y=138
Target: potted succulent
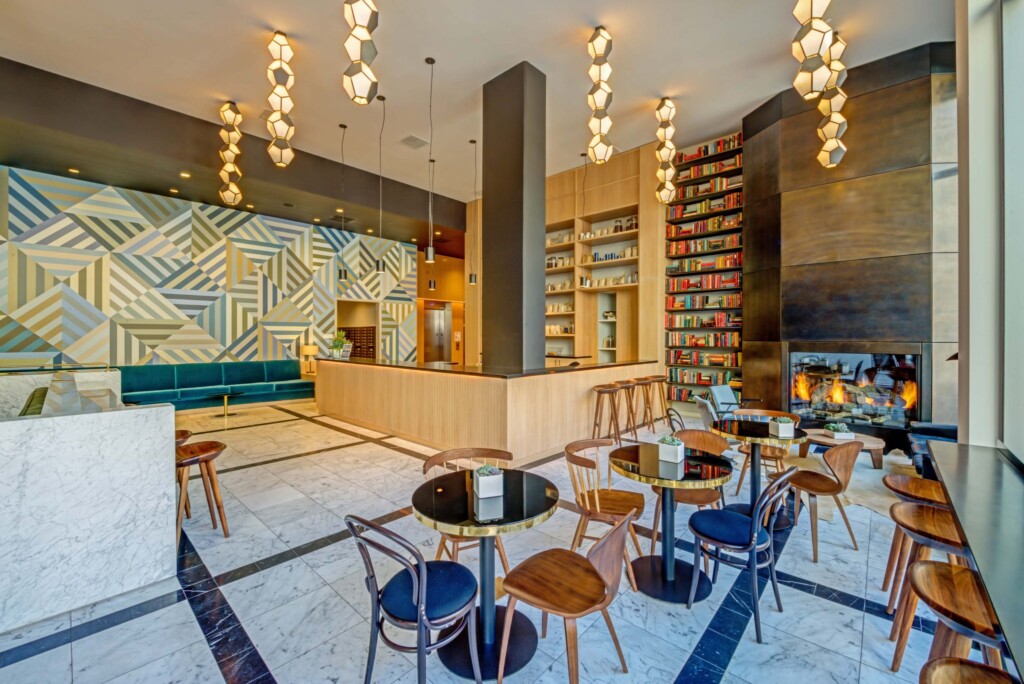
x=341 y=348
x=671 y=449
x=838 y=431
x=781 y=426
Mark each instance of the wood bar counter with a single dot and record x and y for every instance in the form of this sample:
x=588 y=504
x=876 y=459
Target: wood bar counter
x=532 y=413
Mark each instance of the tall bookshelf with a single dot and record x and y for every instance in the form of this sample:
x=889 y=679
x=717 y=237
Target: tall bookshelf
x=704 y=279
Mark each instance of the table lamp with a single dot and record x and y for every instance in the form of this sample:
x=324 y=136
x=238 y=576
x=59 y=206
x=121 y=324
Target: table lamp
x=310 y=350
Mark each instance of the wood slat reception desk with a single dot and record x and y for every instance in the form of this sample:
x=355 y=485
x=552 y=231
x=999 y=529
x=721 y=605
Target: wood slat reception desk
x=532 y=414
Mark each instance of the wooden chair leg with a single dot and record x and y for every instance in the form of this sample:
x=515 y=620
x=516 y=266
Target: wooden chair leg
x=629 y=570
x=613 y=420
x=657 y=521
x=440 y=549
x=598 y=411
x=812 y=509
x=894 y=554
x=209 y=496
x=797 y=496
x=581 y=529
x=636 y=540
x=901 y=570
x=846 y=520
x=453 y=551
x=212 y=472
x=949 y=644
x=510 y=611
x=543 y=624
x=615 y=639
x=743 y=472
x=501 y=554
x=572 y=650
x=664 y=402
x=182 y=497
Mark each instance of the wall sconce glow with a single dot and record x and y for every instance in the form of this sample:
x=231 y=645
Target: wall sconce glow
x=832 y=152
x=666 y=150
x=600 y=70
x=230 y=173
x=281 y=78
x=599 y=98
x=837 y=74
x=358 y=80
x=666 y=172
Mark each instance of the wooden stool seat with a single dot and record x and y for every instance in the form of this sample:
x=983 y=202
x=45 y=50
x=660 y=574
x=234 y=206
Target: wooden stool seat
x=916 y=489
x=960 y=671
x=606 y=389
x=198 y=452
x=929 y=526
x=616 y=503
x=181 y=436
x=957 y=597
x=812 y=482
x=557 y=581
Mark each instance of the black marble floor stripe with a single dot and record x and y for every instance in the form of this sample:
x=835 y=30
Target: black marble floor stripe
x=243 y=427
x=236 y=655
x=279 y=459
x=381 y=441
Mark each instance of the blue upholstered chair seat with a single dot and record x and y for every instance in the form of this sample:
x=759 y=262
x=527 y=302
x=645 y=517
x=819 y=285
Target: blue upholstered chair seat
x=450 y=586
x=728 y=527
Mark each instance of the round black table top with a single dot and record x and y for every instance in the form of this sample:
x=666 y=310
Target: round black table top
x=446 y=504
x=755 y=432
x=699 y=470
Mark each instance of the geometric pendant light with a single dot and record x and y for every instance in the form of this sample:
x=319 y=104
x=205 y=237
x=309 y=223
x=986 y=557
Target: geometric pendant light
x=600 y=97
x=359 y=81
x=279 y=121
x=230 y=135
x=666 y=151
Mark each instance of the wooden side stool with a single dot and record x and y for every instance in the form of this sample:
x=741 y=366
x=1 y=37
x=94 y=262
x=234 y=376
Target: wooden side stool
x=629 y=389
x=201 y=454
x=958 y=671
x=658 y=387
x=181 y=436
x=646 y=409
x=610 y=393
x=911 y=490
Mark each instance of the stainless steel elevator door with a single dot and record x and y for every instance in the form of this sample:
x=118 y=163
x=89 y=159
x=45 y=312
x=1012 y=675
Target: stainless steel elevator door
x=437 y=327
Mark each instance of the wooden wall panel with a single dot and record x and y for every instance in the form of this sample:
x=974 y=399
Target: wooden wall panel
x=761 y=233
x=761 y=154
x=474 y=293
x=762 y=306
x=651 y=305
x=890 y=129
x=763 y=364
x=601 y=201
x=869 y=299
x=449 y=274
x=887 y=214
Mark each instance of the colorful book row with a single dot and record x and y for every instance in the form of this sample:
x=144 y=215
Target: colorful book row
x=678 y=339
x=712 y=186
x=712 y=281
x=710 y=264
x=695 y=358
x=711 y=225
x=684 y=247
x=733 y=201
x=702 y=170
x=729 y=142
x=718 y=319
x=692 y=302
x=676 y=393
x=706 y=378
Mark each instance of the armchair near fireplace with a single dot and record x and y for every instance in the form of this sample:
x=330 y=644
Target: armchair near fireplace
x=725 y=401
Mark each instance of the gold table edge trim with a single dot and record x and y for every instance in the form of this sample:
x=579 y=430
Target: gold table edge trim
x=489 y=531
x=672 y=484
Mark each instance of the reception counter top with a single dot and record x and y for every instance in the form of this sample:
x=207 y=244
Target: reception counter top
x=484 y=371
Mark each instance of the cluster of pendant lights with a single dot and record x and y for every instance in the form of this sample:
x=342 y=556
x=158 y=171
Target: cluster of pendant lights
x=819 y=49
x=359 y=80
x=230 y=135
x=666 y=151
x=279 y=123
x=600 y=97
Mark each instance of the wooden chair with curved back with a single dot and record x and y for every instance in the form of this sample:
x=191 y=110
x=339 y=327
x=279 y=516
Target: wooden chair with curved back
x=455 y=460
x=597 y=503
x=570 y=586
x=702 y=440
x=840 y=461
x=770 y=456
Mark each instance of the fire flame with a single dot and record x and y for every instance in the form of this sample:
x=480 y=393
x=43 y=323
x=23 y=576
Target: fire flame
x=909 y=394
x=802 y=388
x=863 y=382
x=836 y=395
x=869 y=401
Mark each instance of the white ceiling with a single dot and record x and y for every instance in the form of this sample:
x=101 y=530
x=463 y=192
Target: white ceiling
x=717 y=58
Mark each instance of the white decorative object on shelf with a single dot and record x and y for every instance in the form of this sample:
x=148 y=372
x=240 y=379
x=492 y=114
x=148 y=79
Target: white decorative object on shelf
x=781 y=427
x=671 y=449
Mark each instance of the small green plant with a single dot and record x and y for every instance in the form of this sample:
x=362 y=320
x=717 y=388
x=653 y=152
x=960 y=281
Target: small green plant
x=669 y=440
x=836 y=427
x=783 y=420
x=340 y=340
x=488 y=470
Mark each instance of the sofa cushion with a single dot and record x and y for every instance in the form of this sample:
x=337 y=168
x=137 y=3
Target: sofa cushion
x=199 y=374
x=203 y=392
x=146 y=378
x=253 y=388
x=282 y=370
x=34 y=405
x=150 y=397
x=294 y=385
x=244 y=372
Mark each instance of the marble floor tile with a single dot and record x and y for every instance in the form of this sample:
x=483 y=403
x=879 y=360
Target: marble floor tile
x=309 y=528
x=236 y=552
x=115 y=651
x=36 y=630
x=412 y=446
x=878 y=651
x=132 y=598
x=343 y=659
x=290 y=630
x=785 y=658
x=817 y=620
x=51 y=667
x=193 y=664
x=256 y=594
x=335 y=561
x=352 y=428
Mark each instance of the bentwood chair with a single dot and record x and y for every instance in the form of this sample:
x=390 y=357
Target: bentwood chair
x=840 y=460
x=701 y=498
x=742 y=541
x=599 y=504
x=423 y=596
x=465 y=459
x=570 y=586
x=771 y=457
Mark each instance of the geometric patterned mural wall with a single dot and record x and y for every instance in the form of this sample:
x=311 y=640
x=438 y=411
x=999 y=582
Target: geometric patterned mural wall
x=94 y=274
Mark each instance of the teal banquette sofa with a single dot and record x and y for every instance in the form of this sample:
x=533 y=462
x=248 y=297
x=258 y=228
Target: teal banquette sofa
x=199 y=385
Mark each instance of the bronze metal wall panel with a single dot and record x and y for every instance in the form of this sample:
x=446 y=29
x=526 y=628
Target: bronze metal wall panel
x=887 y=214
x=763 y=364
x=761 y=306
x=761 y=230
x=761 y=164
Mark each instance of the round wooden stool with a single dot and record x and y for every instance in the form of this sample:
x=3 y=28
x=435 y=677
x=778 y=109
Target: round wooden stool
x=201 y=454
x=611 y=394
x=912 y=490
x=628 y=388
x=658 y=387
x=181 y=436
x=646 y=386
x=962 y=606
x=957 y=671
x=929 y=528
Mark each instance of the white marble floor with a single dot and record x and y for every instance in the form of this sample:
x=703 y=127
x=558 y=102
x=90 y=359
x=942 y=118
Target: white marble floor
x=282 y=599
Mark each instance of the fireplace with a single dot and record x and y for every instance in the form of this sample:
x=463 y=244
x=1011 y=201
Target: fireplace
x=867 y=390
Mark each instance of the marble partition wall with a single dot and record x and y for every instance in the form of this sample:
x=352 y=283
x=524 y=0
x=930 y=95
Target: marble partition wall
x=88 y=509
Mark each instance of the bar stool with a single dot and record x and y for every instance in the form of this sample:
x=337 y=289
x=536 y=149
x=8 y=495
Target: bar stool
x=181 y=436
x=611 y=393
x=647 y=414
x=658 y=387
x=629 y=388
x=958 y=671
x=201 y=454
x=964 y=611
x=929 y=528
x=910 y=490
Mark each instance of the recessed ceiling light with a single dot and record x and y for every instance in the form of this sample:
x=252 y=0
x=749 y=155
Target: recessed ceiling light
x=174 y=191
x=316 y=220
x=339 y=211
x=250 y=206
x=437 y=232
x=185 y=174
x=369 y=231
x=73 y=170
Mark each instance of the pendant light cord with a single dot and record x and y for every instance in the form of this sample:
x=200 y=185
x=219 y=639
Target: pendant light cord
x=380 y=167
x=472 y=254
x=430 y=158
x=586 y=166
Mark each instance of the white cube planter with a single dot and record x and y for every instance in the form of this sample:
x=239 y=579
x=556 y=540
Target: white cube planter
x=667 y=470
x=783 y=430
x=488 y=508
x=840 y=435
x=671 y=454
x=486 y=486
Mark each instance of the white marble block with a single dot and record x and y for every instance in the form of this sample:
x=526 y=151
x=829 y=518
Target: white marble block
x=87 y=504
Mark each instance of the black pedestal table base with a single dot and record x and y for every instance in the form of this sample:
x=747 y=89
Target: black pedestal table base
x=650 y=579
x=522 y=644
